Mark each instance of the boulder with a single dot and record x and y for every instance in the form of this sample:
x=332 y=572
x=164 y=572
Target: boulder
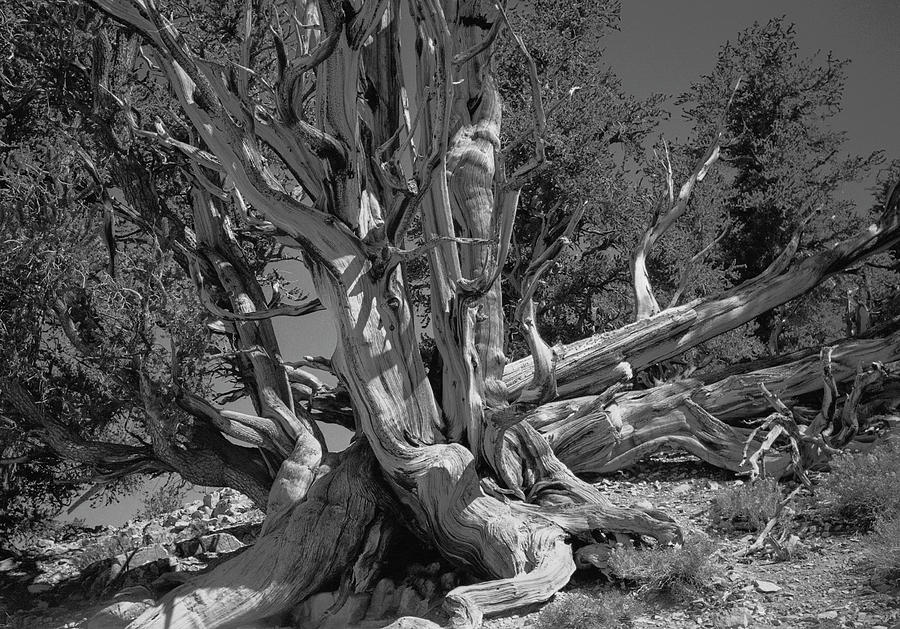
x=221 y=508
x=410 y=602
x=448 y=581
x=188 y=547
x=109 y=571
x=39 y=588
x=8 y=564
x=593 y=555
x=136 y=594
x=155 y=534
x=351 y=612
x=382 y=599
x=211 y=499
x=220 y=543
x=169 y=581
x=147 y=555
x=426 y=587
x=311 y=613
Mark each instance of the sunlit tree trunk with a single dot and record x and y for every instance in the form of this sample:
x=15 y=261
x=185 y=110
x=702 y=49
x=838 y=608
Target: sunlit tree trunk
x=383 y=111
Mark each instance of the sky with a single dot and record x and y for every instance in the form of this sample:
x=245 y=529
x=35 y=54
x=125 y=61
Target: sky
x=662 y=47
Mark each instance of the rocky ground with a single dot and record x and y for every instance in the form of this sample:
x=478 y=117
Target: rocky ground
x=96 y=577
x=824 y=585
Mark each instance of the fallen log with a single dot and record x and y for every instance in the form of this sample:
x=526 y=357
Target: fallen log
x=707 y=420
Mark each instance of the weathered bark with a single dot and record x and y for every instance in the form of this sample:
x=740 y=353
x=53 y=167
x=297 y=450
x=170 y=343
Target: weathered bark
x=588 y=366
x=307 y=547
x=593 y=435
x=477 y=482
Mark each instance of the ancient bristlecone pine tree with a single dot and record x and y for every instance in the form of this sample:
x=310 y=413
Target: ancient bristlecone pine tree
x=382 y=113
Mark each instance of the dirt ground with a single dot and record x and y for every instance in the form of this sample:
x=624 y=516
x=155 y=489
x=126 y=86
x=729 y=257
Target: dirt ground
x=824 y=585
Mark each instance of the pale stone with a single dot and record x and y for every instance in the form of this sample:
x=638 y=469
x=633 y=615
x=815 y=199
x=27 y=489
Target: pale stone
x=39 y=588
x=211 y=499
x=767 y=587
x=221 y=508
x=351 y=612
x=220 y=543
x=382 y=599
x=148 y=555
x=410 y=603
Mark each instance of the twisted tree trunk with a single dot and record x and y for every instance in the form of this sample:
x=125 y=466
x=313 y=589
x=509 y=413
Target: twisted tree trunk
x=471 y=470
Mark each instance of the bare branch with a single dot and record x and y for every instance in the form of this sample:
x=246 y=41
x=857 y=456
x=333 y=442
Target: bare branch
x=645 y=301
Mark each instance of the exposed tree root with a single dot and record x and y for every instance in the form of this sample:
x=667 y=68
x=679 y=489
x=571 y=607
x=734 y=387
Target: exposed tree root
x=321 y=537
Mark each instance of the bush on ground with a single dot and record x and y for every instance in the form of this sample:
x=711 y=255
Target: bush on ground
x=165 y=499
x=749 y=506
x=882 y=549
x=105 y=548
x=581 y=610
x=677 y=574
x=865 y=487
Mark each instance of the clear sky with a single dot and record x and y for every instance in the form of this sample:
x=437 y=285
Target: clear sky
x=663 y=46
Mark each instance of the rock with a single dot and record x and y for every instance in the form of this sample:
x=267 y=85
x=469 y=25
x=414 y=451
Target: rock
x=382 y=599
x=39 y=588
x=188 y=547
x=220 y=543
x=350 y=613
x=8 y=564
x=134 y=594
x=644 y=505
x=155 y=534
x=448 y=581
x=197 y=515
x=767 y=587
x=211 y=499
x=169 y=581
x=737 y=618
x=426 y=587
x=410 y=603
x=596 y=555
x=682 y=489
x=221 y=508
x=829 y=615
x=309 y=613
x=107 y=575
x=147 y=555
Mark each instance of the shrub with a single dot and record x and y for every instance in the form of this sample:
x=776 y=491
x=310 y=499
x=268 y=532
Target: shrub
x=678 y=574
x=882 y=549
x=579 y=610
x=748 y=506
x=163 y=500
x=865 y=487
x=104 y=549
